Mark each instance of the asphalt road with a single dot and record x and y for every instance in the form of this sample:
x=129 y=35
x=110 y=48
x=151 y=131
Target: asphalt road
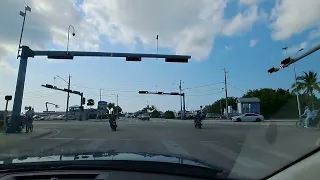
x=252 y=149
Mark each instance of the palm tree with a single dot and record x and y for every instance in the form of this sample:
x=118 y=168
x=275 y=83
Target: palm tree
x=308 y=83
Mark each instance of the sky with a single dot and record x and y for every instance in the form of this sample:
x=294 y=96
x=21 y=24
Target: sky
x=245 y=37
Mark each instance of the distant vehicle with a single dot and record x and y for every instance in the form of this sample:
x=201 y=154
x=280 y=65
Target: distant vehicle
x=248 y=117
x=213 y=116
x=139 y=116
x=145 y=116
x=61 y=117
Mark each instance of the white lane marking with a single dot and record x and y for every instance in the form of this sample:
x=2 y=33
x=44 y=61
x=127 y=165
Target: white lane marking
x=84 y=139
x=241 y=160
x=57 y=138
x=272 y=152
x=174 y=148
x=317 y=142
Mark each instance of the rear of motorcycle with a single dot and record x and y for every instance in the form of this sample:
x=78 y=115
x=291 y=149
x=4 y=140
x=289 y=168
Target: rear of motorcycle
x=113 y=125
x=198 y=124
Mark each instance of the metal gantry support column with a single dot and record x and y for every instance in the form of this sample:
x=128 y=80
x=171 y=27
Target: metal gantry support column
x=17 y=103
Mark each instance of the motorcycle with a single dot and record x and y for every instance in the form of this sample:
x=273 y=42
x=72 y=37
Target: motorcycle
x=198 y=124
x=113 y=123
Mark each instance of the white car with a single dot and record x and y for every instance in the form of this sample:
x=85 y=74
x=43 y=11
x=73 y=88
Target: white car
x=248 y=117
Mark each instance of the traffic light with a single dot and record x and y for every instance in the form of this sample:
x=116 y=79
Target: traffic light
x=143 y=92
x=48 y=86
x=83 y=101
x=272 y=70
x=286 y=62
x=160 y=92
x=76 y=92
x=179 y=60
x=133 y=58
x=174 y=93
x=60 y=57
x=8 y=98
x=67 y=90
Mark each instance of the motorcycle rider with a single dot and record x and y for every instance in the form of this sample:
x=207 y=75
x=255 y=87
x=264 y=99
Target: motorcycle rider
x=198 y=116
x=29 y=116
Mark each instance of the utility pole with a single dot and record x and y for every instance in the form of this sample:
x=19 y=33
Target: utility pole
x=225 y=87
x=117 y=106
x=68 y=97
x=181 y=113
x=184 y=104
x=100 y=109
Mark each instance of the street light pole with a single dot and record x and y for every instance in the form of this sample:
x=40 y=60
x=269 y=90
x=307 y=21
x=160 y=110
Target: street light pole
x=295 y=79
x=23 y=14
x=73 y=34
x=68 y=94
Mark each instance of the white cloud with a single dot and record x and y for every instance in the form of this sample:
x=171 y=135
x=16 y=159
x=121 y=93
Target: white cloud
x=243 y=21
x=253 y=42
x=47 y=24
x=314 y=34
x=293 y=17
x=187 y=28
x=249 y=2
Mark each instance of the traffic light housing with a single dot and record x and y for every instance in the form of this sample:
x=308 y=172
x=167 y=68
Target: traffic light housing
x=143 y=92
x=160 y=92
x=133 y=58
x=49 y=86
x=8 y=98
x=67 y=90
x=174 y=93
x=286 y=62
x=272 y=70
x=83 y=101
x=178 y=60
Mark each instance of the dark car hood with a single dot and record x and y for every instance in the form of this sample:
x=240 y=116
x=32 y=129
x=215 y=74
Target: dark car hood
x=123 y=156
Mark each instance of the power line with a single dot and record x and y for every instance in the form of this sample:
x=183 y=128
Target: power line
x=237 y=88
x=207 y=94
x=202 y=86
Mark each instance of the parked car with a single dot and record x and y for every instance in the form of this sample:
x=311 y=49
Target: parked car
x=248 y=117
x=145 y=116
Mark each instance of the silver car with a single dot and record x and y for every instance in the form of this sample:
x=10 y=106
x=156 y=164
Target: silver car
x=248 y=117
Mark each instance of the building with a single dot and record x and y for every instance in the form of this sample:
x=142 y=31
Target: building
x=248 y=105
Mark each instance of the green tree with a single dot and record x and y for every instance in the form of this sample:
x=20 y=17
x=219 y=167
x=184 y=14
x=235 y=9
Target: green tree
x=308 y=83
x=271 y=100
x=169 y=115
x=155 y=114
x=90 y=102
x=220 y=104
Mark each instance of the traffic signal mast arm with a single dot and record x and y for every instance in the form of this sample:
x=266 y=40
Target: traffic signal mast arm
x=288 y=61
x=161 y=93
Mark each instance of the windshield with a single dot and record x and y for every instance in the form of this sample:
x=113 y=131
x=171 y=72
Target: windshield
x=233 y=84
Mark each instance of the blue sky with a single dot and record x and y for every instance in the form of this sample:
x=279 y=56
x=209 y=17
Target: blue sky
x=247 y=66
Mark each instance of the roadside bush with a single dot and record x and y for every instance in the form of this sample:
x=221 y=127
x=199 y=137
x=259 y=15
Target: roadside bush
x=169 y=115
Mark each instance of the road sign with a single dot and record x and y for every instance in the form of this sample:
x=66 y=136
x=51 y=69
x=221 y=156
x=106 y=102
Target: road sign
x=102 y=105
